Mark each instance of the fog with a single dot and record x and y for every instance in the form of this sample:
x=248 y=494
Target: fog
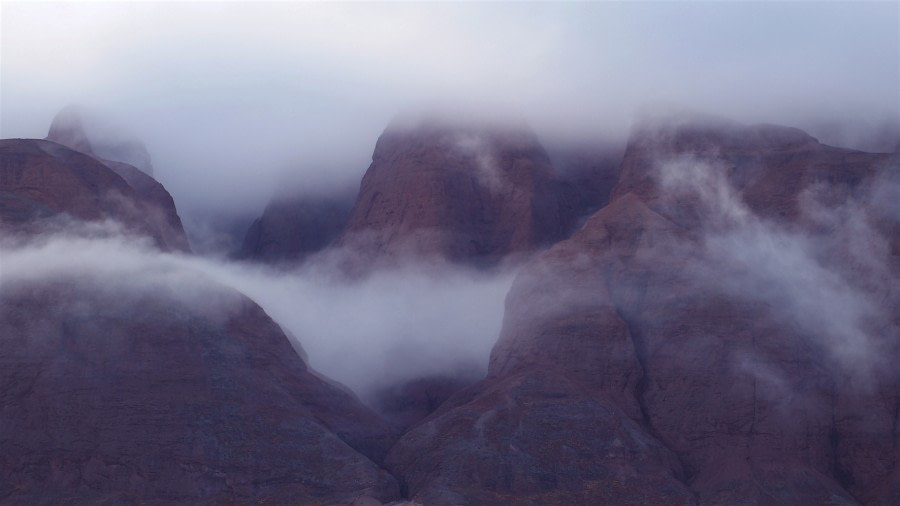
x=826 y=275
x=229 y=96
x=367 y=333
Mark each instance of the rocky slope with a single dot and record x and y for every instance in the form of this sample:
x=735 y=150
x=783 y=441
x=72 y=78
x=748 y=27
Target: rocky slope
x=126 y=392
x=724 y=331
x=127 y=379
x=469 y=192
x=128 y=158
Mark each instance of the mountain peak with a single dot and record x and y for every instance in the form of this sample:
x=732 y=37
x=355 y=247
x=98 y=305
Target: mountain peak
x=67 y=129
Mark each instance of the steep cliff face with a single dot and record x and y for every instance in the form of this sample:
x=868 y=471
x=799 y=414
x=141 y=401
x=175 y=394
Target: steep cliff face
x=467 y=192
x=43 y=179
x=724 y=331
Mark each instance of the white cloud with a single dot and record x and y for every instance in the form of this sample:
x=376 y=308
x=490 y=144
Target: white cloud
x=391 y=326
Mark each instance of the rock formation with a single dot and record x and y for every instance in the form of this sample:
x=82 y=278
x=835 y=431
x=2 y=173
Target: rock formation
x=43 y=179
x=676 y=350
x=155 y=386
x=128 y=158
x=71 y=127
x=469 y=192
x=117 y=390
x=725 y=329
x=294 y=226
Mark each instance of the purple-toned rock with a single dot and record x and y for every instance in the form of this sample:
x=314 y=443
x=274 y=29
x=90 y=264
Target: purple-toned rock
x=42 y=179
x=724 y=331
x=115 y=390
x=295 y=226
x=471 y=192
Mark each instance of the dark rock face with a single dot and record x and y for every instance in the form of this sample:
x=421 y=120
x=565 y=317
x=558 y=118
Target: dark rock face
x=125 y=393
x=463 y=192
x=292 y=227
x=42 y=179
x=674 y=351
x=587 y=174
x=408 y=403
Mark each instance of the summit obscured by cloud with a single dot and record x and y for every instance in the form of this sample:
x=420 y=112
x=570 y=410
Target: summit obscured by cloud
x=229 y=96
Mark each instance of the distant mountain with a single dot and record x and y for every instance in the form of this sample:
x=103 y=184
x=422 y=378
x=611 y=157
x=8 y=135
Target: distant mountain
x=470 y=192
x=294 y=226
x=711 y=336
x=76 y=128
x=148 y=384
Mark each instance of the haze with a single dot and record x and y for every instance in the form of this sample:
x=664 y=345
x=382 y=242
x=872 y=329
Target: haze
x=230 y=96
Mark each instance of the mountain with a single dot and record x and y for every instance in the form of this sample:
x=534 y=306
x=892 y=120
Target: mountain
x=132 y=391
x=711 y=316
x=127 y=378
x=724 y=331
x=127 y=157
x=465 y=191
x=294 y=226
x=72 y=124
x=42 y=180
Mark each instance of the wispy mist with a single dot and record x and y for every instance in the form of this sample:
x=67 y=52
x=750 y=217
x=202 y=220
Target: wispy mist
x=391 y=326
x=229 y=95
x=827 y=274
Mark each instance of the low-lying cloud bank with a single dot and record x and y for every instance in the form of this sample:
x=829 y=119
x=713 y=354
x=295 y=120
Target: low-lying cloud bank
x=391 y=326
x=228 y=95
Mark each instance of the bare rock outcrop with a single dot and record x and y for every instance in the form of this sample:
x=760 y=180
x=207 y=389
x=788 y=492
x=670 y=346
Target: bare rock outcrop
x=42 y=179
x=128 y=391
x=464 y=191
x=724 y=331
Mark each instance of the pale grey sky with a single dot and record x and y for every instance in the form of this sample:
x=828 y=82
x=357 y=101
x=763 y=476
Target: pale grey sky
x=228 y=94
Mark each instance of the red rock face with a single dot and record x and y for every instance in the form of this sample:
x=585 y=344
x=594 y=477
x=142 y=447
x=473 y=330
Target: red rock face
x=42 y=179
x=464 y=192
x=121 y=393
x=652 y=353
x=408 y=403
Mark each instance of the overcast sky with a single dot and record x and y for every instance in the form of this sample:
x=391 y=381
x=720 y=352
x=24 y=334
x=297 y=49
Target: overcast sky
x=227 y=95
